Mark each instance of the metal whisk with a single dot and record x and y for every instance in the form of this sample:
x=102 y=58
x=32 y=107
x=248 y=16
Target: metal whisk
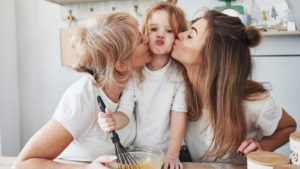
x=124 y=159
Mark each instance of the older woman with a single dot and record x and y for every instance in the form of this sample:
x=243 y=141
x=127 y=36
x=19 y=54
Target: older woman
x=110 y=48
x=227 y=112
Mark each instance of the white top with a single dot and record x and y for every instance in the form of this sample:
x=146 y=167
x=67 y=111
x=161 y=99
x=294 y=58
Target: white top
x=162 y=91
x=262 y=117
x=78 y=111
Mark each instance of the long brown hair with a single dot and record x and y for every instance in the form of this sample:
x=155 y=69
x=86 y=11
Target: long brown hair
x=226 y=67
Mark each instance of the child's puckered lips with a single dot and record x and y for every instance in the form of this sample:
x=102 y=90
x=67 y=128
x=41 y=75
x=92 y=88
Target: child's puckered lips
x=159 y=42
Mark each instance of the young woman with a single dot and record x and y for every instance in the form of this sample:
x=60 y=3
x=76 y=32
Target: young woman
x=227 y=111
x=110 y=47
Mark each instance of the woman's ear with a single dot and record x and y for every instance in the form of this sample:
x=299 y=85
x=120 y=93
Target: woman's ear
x=121 y=66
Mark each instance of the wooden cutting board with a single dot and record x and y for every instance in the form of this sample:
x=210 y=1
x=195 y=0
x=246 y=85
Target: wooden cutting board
x=67 y=52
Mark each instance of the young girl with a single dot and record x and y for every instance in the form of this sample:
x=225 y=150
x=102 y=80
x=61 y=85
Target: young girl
x=159 y=95
x=230 y=113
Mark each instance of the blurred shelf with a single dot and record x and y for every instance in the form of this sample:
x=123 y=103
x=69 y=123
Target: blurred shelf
x=63 y=2
x=280 y=33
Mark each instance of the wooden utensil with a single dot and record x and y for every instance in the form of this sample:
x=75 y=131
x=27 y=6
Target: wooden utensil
x=67 y=52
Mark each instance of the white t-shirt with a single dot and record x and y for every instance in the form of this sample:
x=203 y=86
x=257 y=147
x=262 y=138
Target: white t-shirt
x=162 y=91
x=262 y=117
x=78 y=112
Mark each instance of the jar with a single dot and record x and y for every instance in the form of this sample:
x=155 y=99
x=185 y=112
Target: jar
x=288 y=166
x=295 y=148
x=265 y=160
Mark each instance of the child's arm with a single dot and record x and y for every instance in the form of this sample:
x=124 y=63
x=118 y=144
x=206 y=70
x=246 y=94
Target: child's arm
x=285 y=127
x=117 y=120
x=112 y=121
x=178 y=125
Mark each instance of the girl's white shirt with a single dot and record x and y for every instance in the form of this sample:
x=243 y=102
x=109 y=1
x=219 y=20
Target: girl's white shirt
x=78 y=112
x=262 y=118
x=162 y=90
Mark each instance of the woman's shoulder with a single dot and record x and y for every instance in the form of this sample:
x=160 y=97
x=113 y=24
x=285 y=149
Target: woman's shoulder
x=257 y=101
x=258 y=105
x=84 y=83
x=83 y=87
x=75 y=110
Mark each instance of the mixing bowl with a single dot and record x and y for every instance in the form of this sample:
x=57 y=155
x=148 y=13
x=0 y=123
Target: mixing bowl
x=147 y=157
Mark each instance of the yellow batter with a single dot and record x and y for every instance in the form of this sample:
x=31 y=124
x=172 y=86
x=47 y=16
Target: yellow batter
x=142 y=165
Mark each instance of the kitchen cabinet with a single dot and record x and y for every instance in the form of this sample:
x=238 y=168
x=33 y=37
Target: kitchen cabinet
x=277 y=61
x=63 y=2
x=80 y=8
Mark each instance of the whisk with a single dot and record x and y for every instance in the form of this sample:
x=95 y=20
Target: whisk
x=124 y=159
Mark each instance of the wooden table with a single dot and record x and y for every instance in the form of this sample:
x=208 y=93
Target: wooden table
x=7 y=162
x=196 y=165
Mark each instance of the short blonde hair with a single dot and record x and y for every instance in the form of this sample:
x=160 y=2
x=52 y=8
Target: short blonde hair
x=102 y=40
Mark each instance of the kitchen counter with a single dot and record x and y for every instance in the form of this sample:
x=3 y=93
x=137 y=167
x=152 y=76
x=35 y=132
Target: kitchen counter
x=196 y=165
x=7 y=162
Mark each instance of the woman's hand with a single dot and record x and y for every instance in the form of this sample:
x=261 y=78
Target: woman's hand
x=107 y=121
x=100 y=162
x=248 y=146
x=172 y=162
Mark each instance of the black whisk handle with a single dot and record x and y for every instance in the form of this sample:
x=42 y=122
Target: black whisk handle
x=101 y=104
x=124 y=158
x=113 y=135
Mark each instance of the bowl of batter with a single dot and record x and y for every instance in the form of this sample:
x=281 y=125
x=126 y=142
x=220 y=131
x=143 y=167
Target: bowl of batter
x=147 y=157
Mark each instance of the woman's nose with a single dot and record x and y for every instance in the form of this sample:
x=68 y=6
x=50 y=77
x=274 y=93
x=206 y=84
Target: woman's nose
x=180 y=36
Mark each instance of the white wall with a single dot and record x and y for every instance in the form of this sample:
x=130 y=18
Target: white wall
x=295 y=4
x=42 y=80
x=282 y=72
x=0 y=143
x=9 y=92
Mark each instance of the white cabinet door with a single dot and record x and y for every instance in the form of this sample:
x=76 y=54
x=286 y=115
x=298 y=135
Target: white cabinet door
x=283 y=73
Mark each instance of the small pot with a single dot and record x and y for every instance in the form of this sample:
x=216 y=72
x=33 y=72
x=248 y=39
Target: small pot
x=265 y=160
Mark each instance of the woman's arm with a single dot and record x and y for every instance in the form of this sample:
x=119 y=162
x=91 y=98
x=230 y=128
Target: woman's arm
x=45 y=146
x=178 y=126
x=285 y=127
x=117 y=120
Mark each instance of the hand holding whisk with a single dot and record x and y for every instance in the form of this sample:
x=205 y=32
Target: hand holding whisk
x=124 y=159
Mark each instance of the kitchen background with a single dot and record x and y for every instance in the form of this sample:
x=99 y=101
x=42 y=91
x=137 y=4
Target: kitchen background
x=33 y=80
